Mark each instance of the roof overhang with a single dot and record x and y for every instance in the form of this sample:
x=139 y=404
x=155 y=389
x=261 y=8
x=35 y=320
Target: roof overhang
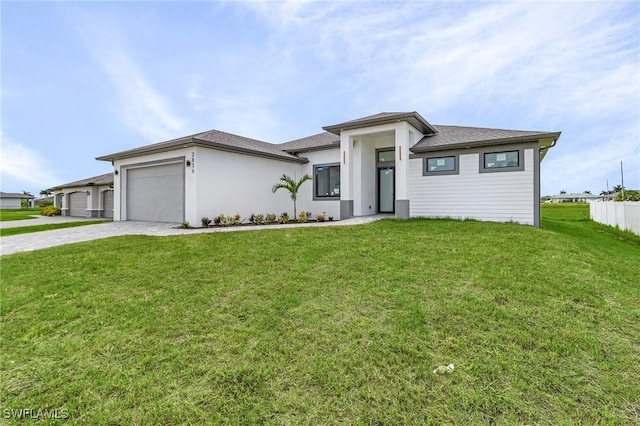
x=295 y=151
x=228 y=148
x=193 y=142
x=100 y=180
x=545 y=141
x=413 y=118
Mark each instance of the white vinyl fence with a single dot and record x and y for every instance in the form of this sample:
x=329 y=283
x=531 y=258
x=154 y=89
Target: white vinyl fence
x=623 y=214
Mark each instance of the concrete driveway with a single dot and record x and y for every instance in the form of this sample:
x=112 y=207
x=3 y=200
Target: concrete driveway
x=45 y=239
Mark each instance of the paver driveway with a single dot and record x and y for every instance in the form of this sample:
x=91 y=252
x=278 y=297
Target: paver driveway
x=44 y=239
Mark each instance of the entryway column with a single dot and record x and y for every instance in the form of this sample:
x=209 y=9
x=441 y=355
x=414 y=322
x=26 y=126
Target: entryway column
x=346 y=175
x=402 y=170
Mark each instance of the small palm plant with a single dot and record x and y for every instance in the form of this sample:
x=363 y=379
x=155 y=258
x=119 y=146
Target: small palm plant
x=288 y=183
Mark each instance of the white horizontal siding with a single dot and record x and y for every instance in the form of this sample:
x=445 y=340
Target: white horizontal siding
x=499 y=197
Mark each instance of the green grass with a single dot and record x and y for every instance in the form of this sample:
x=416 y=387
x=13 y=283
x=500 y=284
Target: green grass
x=6 y=232
x=18 y=214
x=338 y=325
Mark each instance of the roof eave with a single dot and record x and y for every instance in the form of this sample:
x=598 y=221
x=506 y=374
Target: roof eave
x=293 y=151
x=146 y=150
x=488 y=142
x=190 y=143
x=256 y=153
x=418 y=122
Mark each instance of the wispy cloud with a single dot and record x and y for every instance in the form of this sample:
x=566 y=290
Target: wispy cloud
x=141 y=107
x=545 y=66
x=21 y=164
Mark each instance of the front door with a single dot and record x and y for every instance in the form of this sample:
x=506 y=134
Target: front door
x=386 y=189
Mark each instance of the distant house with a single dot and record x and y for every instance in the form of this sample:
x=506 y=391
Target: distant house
x=91 y=197
x=36 y=201
x=392 y=162
x=583 y=197
x=12 y=200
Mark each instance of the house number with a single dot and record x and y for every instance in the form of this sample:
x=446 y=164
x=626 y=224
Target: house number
x=193 y=162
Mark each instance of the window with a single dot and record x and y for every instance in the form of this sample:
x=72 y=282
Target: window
x=326 y=181
x=386 y=156
x=440 y=165
x=501 y=161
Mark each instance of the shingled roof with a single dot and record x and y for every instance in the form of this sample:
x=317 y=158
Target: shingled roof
x=105 y=179
x=15 y=195
x=437 y=138
x=413 y=118
x=452 y=137
x=210 y=139
x=320 y=141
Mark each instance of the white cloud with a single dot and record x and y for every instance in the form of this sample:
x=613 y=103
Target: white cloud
x=141 y=107
x=536 y=55
x=21 y=165
x=544 y=66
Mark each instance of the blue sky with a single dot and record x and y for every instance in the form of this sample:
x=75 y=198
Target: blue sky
x=83 y=79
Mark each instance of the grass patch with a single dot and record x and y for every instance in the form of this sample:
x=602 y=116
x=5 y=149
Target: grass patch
x=330 y=325
x=6 y=232
x=18 y=214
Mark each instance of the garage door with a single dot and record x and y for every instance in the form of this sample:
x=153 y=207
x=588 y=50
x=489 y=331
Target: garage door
x=156 y=193
x=78 y=204
x=107 y=203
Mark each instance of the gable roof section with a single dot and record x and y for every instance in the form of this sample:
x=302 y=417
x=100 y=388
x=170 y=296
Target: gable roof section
x=413 y=118
x=210 y=139
x=453 y=137
x=323 y=140
x=105 y=179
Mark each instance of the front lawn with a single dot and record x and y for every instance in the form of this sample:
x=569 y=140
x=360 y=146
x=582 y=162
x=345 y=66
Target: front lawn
x=6 y=232
x=337 y=325
x=18 y=214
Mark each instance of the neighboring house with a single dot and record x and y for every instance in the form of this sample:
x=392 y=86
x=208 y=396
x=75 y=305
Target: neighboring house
x=583 y=197
x=13 y=200
x=386 y=163
x=36 y=201
x=92 y=197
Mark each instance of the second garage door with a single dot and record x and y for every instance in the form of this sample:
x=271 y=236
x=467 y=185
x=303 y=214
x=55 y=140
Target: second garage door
x=156 y=193
x=78 y=204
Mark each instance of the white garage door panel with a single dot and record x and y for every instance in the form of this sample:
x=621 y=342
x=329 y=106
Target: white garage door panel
x=78 y=204
x=107 y=203
x=156 y=193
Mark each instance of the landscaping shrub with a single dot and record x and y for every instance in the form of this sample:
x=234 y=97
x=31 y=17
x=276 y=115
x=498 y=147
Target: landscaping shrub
x=303 y=216
x=284 y=218
x=50 y=211
x=45 y=203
